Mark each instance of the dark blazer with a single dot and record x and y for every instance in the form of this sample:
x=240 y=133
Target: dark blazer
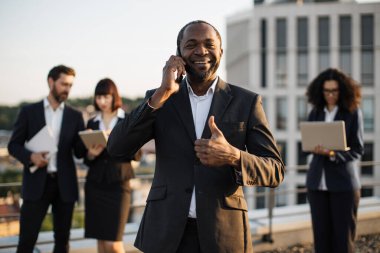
x=104 y=168
x=343 y=173
x=30 y=120
x=223 y=224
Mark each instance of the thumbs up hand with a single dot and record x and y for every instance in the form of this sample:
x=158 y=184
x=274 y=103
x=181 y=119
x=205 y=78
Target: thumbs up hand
x=215 y=132
x=216 y=151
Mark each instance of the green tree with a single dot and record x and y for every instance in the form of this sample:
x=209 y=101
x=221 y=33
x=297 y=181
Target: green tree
x=10 y=176
x=8 y=114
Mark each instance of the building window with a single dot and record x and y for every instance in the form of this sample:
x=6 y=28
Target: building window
x=302 y=52
x=264 y=103
x=281 y=145
x=302 y=68
x=323 y=43
x=368 y=156
x=301 y=194
x=260 y=198
x=367 y=50
x=281 y=59
x=366 y=191
x=281 y=113
x=301 y=158
x=302 y=110
x=368 y=107
x=345 y=44
x=281 y=199
x=323 y=60
x=263 y=53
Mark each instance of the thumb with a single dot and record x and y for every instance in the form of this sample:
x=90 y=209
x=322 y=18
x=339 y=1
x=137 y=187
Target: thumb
x=215 y=132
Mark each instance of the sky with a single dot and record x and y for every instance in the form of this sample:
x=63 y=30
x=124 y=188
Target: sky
x=128 y=41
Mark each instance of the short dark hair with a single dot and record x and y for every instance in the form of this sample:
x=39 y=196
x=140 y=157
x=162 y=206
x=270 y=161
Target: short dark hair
x=182 y=31
x=107 y=86
x=55 y=72
x=349 y=90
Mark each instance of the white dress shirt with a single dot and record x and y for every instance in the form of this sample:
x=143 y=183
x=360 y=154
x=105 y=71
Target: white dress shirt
x=200 y=107
x=120 y=114
x=53 y=119
x=329 y=117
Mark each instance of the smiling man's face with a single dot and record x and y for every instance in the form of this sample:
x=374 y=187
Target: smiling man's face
x=201 y=50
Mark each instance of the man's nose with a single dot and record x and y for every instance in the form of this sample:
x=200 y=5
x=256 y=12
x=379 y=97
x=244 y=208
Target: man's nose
x=201 y=50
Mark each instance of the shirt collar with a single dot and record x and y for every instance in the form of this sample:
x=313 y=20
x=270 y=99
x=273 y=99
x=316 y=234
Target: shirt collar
x=210 y=90
x=47 y=104
x=120 y=114
x=335 y=110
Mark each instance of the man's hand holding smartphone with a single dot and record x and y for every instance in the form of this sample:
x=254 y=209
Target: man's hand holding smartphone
x=172 y=74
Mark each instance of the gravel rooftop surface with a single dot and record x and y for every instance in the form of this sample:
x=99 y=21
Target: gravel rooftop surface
x=363 y=244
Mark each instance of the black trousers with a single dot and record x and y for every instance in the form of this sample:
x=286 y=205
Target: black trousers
x=34 y=212
x=334 y=220
x=190 y=240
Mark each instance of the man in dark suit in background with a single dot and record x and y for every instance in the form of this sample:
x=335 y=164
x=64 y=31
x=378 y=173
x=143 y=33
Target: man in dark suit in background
x=55 y=181
x=211 y=139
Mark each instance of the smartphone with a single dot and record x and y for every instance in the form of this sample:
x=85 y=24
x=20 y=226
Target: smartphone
x=180 y=77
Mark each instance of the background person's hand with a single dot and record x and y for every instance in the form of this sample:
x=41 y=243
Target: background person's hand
x=216 y=151
x=39 y=159
x=320 y=150
x=94 y=151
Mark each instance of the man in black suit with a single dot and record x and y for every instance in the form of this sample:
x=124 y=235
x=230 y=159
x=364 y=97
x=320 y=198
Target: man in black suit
x=54 y=182
x=211 y=139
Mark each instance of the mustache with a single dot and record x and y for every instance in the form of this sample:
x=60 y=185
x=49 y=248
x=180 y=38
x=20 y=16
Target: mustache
x=202 y=75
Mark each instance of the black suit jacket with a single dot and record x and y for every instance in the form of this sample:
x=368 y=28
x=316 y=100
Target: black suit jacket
x=343 y=173
x=106 y=169
x=221 y=208
x=30 y=120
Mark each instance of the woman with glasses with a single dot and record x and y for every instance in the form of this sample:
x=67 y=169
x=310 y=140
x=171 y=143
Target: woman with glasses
x=107 y=189
x=333 y=176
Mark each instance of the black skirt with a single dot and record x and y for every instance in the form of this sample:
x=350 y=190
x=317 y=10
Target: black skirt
x=106 y=210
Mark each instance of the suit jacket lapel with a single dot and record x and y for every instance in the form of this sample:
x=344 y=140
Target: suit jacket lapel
x=321 y=115
x=182 y=106
x=220 y=101
x=96 y=124
x=338 y=115
x=64 y=125
x=40 y=116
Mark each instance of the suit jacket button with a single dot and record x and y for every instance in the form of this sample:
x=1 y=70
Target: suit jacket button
x=189 y=190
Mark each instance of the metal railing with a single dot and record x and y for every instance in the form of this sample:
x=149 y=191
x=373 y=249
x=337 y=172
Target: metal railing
x=270 y=194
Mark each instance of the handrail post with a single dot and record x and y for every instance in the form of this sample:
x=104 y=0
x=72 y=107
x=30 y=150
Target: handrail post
x=271 y=202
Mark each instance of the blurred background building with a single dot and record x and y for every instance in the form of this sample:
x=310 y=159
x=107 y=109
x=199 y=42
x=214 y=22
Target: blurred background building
x=278 y=47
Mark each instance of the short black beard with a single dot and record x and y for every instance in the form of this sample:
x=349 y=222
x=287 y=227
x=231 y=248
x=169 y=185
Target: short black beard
x=58 y=97
x=201 y=76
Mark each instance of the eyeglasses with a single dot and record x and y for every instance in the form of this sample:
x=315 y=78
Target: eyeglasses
x=331 y=91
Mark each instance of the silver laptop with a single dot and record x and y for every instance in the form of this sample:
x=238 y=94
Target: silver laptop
x=331 y=135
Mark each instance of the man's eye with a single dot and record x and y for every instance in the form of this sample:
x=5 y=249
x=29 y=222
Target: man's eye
x=190 y=46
